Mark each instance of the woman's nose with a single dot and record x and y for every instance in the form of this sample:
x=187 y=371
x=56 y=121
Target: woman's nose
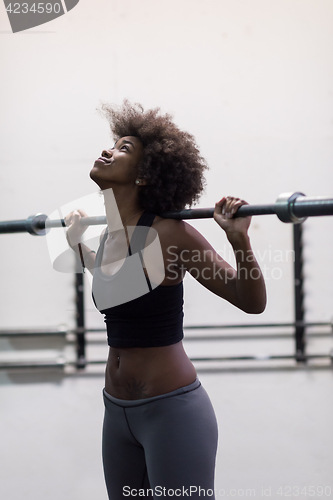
x=107 y=153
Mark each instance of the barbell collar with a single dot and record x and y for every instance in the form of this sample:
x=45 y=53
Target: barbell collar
x=284 y=207
x=35 y=225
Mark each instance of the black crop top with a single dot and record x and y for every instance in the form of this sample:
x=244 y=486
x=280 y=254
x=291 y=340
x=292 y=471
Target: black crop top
x=142 y=315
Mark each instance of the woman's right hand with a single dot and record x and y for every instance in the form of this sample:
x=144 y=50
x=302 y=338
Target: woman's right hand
x=75 y=229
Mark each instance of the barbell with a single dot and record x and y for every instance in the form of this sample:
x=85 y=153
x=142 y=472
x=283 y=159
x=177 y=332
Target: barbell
x=289 y=207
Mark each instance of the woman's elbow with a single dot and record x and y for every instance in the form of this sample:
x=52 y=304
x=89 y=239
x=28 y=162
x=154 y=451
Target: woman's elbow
x=256 y=308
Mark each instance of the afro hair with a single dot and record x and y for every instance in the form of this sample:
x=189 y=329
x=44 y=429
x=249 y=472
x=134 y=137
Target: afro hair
x=171 y=166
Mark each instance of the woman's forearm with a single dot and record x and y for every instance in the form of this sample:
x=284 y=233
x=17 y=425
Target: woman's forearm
x=250 y=285
x=86 y=255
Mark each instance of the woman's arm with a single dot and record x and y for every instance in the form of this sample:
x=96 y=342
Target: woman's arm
x=244 y=286
x=74 y=234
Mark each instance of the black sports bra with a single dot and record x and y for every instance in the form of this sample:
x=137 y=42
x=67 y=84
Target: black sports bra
x=137 y=313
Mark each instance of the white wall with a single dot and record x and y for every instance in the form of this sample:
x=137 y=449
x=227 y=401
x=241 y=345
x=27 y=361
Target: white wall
x=253 y=81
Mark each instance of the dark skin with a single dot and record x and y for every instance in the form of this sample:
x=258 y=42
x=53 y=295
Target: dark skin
x=135 y=373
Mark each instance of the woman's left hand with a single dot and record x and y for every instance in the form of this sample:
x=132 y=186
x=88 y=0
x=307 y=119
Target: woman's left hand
x=224 y=212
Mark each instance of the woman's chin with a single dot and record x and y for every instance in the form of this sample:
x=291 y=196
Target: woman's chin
x=94 y=175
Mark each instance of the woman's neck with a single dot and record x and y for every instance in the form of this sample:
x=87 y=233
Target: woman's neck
x=120 y=208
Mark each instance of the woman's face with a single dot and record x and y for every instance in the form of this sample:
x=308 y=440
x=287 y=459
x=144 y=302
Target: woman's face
x=118 y=165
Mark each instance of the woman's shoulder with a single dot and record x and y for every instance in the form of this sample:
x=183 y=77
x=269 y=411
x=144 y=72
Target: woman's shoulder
x=168 y=226
x=180 y=233
x=174 y=231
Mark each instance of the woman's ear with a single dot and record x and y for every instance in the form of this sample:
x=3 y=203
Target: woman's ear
x=141 y=182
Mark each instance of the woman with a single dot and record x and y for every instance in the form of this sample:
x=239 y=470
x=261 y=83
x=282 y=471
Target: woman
x=159 y=433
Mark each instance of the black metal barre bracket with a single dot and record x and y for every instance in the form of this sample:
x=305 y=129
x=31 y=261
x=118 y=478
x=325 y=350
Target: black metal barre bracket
x=289 y=207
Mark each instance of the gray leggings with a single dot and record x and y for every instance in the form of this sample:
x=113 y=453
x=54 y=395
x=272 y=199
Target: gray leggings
x=166 y=442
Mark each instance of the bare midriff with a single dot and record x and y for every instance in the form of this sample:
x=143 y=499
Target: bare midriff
x=144 y=372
